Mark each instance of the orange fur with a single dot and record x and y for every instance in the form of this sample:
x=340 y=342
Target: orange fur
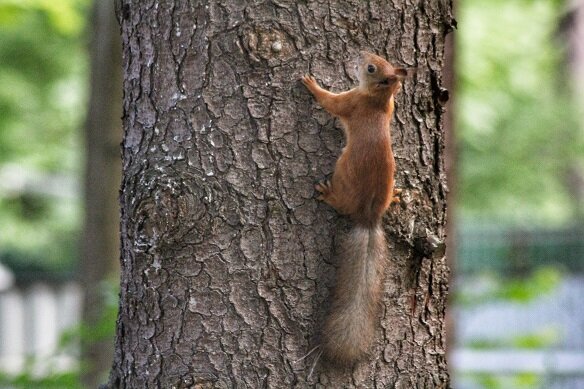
x=362 y=187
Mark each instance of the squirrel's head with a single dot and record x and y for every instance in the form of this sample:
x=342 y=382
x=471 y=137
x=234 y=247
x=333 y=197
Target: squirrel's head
x=376 y=74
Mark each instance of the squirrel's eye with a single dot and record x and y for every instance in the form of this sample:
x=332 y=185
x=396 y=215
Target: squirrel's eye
x=371 y=68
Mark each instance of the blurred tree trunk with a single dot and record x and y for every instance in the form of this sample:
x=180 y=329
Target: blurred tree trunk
x=227 y=258
x=450 y=162
x=571 y=29
x=100 y=245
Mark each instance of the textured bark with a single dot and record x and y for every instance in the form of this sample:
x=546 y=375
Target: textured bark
x=227 y=258
x=103 y=133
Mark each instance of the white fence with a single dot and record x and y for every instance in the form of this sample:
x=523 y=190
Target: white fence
x=32 y=319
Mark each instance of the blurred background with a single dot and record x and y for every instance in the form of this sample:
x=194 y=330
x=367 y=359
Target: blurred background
x=517 y=201
x=516 y=311
x=60 y=133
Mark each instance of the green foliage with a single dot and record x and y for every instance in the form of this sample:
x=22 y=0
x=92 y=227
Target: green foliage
x=488 y=287
x=65 y=16
x=42 y=78
x=27 y=380
x=43 y=68
x=543 y=338
x=519 y=131
x=542 y=281
x=513 y=381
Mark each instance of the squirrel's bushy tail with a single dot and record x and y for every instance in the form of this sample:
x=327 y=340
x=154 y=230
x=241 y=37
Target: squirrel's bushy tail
x=350 y=326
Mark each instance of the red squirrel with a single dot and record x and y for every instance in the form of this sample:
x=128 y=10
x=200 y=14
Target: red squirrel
x=362 y=187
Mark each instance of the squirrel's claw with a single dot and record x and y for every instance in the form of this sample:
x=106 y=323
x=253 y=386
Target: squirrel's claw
x=395 y=195
x=308 y=80
x=324 y=188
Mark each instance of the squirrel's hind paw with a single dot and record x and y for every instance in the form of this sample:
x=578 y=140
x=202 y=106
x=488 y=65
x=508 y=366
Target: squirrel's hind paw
x=325 y=188
x=395 y=195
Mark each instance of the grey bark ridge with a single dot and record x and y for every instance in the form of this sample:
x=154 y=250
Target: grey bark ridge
x=227 y=258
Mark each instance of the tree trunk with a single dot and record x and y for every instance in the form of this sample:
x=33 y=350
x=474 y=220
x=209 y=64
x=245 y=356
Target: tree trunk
x=571 y=30
x=100 y=244
x=227 y=257
x=451 y=161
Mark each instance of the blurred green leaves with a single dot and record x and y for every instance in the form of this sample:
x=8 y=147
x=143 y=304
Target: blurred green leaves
x=492 y=286
x=42 y=82
x=543 y=338
x=519 y=130
x=542 y=281
x=43 y=67
x=67 y=17
x=514 y=381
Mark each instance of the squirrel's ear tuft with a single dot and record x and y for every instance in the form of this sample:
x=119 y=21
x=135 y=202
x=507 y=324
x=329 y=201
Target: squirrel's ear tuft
x=401 y=72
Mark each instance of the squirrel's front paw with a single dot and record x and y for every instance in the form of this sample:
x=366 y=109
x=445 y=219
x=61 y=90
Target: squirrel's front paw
x=324 y=188
x=309 y=81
